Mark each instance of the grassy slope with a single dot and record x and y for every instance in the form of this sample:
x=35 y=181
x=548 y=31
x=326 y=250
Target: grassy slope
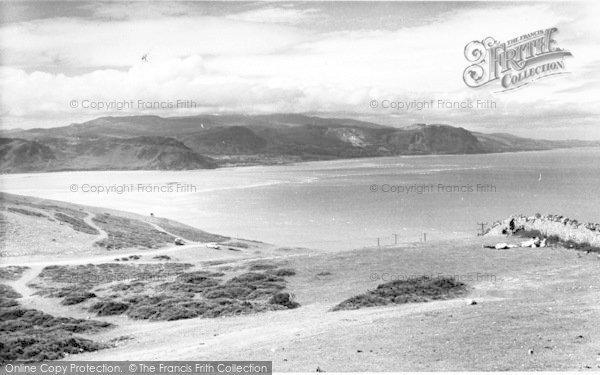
x=65 y=228
x=540 y=299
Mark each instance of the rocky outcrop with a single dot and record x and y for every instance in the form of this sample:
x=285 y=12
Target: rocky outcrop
x=551 y=225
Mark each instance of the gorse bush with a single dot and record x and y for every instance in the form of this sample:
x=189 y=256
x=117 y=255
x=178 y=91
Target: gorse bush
x=419 y=289
x=199 y=294
x=32 y=335
x=104 y=308
x=12 y=272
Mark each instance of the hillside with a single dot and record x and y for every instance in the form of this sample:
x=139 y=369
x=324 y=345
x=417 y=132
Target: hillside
x=66 y=229
x=99 y=153
x=152 y=142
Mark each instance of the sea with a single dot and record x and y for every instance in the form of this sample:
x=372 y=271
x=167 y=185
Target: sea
x=344 y=204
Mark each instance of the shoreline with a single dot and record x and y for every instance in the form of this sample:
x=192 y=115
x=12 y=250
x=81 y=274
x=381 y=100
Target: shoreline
x=255 y=191
x=302 y=162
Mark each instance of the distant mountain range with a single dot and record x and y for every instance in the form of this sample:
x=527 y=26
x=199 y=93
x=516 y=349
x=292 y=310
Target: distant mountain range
x=177 y=143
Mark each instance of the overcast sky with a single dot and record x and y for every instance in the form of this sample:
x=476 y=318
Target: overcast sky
x=328 y=59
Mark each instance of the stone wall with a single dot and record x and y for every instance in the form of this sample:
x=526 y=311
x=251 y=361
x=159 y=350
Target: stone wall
x=552 y=225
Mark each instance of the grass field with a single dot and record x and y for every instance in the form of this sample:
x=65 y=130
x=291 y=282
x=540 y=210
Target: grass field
x=539 y=306
x=478 y=309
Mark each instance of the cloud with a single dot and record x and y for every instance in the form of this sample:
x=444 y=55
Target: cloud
x=136 y=9
x=276 y=15
x=86 y=43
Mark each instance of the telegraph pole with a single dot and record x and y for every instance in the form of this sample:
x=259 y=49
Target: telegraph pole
x=483 y=225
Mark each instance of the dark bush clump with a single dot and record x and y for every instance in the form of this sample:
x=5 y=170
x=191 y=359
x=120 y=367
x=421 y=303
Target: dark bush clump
x=25 y=212
x=197 y=277
x=418 y=289
x=74 y=299
x=199 y=293
x=283 y=272
x=246 y=293
x=76 y=223
x=255 y=278
x=261 y=267
x=104 y=308
x=283 y=299
x=199 y=286
x=37 y=345
x=7 y=297
x=324 y=273
x=12 y=272
x=162 y=257
x=32 y=335
x=135 y=287
x=83 y=278
x=248 y=286
x=165 y=307
x=124 y=232
x=229 y=291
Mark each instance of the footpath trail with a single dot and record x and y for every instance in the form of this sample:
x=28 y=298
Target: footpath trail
x=102 y=233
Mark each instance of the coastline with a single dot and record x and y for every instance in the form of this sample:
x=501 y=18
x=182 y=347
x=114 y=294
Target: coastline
x=226 y=200
x=301 y=162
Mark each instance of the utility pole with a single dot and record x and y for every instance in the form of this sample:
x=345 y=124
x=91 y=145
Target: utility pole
x=395 y=239
x=378 y=242
x=483 y=225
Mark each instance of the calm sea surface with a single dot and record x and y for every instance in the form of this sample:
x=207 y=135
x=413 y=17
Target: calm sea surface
x=346 y=203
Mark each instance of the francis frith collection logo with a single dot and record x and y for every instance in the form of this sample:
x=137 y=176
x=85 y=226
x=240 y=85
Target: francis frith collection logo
x=514 y=63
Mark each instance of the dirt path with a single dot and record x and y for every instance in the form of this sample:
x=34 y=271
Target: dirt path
x=102 y=234
x=20 y=285
x=29 y=300
x=101 y=258
x=272 y=332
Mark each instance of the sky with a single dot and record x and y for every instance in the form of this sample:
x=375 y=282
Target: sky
x=60 y=61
